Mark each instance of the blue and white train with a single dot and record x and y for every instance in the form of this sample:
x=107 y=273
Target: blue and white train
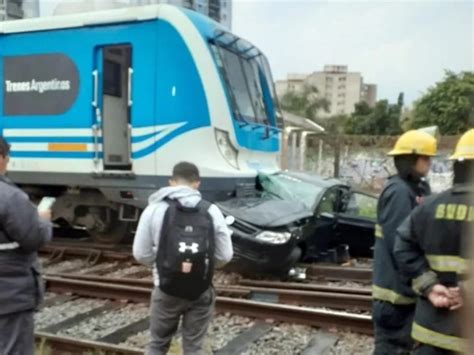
x=99 y=106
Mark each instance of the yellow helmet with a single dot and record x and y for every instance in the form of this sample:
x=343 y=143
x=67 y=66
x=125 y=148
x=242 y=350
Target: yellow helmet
x=465 y=147
x=415 y=142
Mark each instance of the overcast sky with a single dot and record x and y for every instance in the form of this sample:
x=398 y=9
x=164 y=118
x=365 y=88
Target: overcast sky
x=399 y=45
x=402 y=45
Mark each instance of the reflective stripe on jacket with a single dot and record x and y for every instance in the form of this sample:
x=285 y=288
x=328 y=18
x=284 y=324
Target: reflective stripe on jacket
x=429 y=250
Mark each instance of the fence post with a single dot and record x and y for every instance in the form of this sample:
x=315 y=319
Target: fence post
x=337 y=156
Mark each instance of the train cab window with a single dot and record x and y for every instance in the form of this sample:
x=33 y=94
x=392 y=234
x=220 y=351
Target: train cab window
x=242 y=79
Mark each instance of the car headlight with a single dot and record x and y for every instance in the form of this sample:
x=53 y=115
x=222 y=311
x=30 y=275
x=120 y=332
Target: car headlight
x=274 y=237
x=226 y=148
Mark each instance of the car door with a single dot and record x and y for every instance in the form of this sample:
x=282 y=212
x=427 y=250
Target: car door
x=356 y=223
x=320 y=231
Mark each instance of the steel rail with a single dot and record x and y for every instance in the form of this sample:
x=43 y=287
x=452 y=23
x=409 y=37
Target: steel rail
x=48 y=343
x=306 y=286
x=263 y=310
x=340 y=273
x=328 y=297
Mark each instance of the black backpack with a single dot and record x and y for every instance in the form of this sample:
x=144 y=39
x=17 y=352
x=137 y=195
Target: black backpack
x=185 y=258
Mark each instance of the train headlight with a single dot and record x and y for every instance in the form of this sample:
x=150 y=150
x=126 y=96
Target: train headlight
x=226 y=148
x=274 y=237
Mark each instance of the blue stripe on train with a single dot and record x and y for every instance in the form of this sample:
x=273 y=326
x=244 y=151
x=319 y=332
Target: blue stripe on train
x=32 y=139
x=90 y=155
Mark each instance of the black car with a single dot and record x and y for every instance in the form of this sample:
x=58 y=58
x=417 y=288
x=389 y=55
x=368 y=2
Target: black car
x=299 y=217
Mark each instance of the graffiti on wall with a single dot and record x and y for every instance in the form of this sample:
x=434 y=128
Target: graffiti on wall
x=369 y=169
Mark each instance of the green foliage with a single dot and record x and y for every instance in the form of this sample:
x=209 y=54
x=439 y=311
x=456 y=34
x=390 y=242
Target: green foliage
x=335 y=125
x=449 y=104
x=383 y=119
x=306 y=103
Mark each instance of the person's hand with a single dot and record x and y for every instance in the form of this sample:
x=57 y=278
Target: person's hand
x=440 y=296
x=457 y=301
x=46 y=214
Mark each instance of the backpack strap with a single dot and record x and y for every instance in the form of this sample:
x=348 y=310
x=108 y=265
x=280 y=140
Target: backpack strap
x=204 y=205
x=171 y=201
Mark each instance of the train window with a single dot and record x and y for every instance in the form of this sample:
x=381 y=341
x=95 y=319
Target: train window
x=237 y=83
x=243 y=82
x=265 y=65
x=112 y=78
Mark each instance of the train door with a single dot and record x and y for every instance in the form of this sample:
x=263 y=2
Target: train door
x=113 y=91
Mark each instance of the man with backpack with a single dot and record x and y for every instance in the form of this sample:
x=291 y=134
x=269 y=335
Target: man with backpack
x=184 y=238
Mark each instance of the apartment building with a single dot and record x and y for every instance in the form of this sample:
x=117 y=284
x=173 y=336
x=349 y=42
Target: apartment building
x=341 y=88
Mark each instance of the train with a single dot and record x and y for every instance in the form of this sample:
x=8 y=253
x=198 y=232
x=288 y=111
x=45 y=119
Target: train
x=98 y=107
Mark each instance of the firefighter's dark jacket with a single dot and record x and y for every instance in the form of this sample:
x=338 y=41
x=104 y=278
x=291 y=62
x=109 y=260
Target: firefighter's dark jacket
x=429 y=250
x=22 y=233
x=396 y=201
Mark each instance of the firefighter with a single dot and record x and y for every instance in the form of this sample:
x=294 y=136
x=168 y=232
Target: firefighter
x=430 y=250
x=394 y=301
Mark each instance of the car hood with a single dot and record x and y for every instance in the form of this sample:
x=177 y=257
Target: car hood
x=265 y=212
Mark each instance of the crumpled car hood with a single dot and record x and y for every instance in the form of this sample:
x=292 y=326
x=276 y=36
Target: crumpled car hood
x=265 y=212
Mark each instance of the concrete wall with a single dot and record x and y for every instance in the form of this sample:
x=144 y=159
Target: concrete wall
x=365 y=165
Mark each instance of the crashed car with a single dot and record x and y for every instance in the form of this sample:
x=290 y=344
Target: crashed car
x=299 y=217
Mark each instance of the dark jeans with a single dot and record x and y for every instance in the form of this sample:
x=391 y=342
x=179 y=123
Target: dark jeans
x=166 y=312
x=392 y=328
x=17 y=334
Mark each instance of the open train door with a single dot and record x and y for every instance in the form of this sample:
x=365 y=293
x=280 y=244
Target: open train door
x=112 y=102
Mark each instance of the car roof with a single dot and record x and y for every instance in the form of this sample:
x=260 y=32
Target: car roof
x=314 y=179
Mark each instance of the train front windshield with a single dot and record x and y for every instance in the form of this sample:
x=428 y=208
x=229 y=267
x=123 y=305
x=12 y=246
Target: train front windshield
x=246 y=73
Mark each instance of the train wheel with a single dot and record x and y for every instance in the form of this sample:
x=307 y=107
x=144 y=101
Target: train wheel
x=117 y=233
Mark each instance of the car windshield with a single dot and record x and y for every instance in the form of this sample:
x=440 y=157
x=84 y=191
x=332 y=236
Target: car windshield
x=242 y=75
x=290 y=188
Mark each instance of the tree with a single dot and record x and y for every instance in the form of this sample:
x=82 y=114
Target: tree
x=383 y=119
x=306 y=103
x=448 y=105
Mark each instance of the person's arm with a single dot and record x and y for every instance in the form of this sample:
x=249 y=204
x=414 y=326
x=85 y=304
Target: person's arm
x=22 y=223
x=143 y=242
x=410 y=257
x=396 y=208
x=223 y=242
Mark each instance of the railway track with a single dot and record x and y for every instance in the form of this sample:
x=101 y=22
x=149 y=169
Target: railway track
x=263 y=310
x=294 y=303
x=120 y=294
x=273 y=292
x=47 y=343
x=95 y=253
